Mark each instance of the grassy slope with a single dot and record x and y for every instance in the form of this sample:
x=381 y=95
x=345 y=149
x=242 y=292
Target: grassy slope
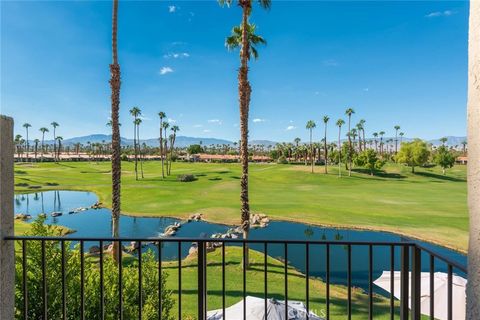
x=426 y=205
x=255 y=276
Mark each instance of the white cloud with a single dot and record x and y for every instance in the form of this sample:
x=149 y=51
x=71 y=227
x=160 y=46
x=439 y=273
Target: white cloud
x=330 y=63
x=170 y=120
x=289 y=128
x=172 y=9
x=258 y=120
x=176 y=55
x=445 y=13
x=165 y=70
x=197 y=126
x=207 y=131
x=216 y=121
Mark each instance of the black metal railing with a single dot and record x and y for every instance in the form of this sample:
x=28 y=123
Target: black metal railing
x=407 y=307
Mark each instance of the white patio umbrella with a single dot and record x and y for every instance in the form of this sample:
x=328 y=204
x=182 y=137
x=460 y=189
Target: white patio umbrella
x=440 y=281
x=255 y=310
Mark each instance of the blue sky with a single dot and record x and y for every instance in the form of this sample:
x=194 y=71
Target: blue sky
x=394 y=62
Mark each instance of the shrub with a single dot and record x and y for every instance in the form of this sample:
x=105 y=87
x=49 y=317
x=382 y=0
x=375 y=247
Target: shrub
x=186 y=178
x=91 y=285
x=282 y=160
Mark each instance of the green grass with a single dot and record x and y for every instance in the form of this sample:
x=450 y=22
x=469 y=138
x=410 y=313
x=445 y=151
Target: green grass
x=255 y=286
x=426 y=205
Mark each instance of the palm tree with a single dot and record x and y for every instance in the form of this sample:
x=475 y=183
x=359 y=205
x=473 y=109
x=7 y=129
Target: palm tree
x=349 y=113
x=325 y=121
x=397 y=127
x=26 y=126
x=375 y=136
x=59 y=139
x=362 y=124
x=43 y=130
x=165 y=126
x=401 y=134
x=339 y=123
x=246 y=40
x=310 y=126
x=464 y=147
x=135 y=112
x=54 y=125
x=172 y=144
x=138 y=122
x=36 y=141
x=162 y=116
x=359 y=127
x=115 y=83
x=381 y=133
x=443 y=140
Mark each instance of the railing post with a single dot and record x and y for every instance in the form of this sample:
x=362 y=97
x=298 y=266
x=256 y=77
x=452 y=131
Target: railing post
x=416 y=286
x=202 y=288
x=405 y=266
x=7 y=263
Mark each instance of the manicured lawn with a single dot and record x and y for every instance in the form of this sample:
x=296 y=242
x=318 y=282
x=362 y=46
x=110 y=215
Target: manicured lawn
x=427 y=204
x=255 y=286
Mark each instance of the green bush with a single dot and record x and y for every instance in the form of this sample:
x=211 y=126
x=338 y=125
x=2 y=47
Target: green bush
x=53 y=263
x=186 y=178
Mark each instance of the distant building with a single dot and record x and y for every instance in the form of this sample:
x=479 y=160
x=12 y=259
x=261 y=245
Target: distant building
x=462 y=160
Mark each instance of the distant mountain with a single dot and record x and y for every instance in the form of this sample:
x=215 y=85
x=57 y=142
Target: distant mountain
x=183 y=141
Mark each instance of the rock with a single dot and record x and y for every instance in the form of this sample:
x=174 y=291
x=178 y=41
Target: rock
x=23 y=216
x=193 y=249
x=56 y=214
x=94 y=250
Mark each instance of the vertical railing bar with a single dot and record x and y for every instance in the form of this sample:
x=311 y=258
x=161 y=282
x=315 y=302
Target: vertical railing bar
x=432 y=287
x=265 y=276
x=201 y=280
x=370 y=281
x=327 y=280
x=82 y=282
x=223 y=280
x=416 y=283
x=180 y=280
x=307 y=278
x=44 y=283
x=140 y=287
x=392 y=281
x=159 y=280
x=120 y=285
x=286 y=278
x=25 y=288
x=404 y=292
x=64 y=283
x=244 y=280
x=449 y=293
x=349 y=280
x=102 y=289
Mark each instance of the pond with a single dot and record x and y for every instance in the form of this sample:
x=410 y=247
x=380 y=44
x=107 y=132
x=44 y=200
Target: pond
x=97 y=223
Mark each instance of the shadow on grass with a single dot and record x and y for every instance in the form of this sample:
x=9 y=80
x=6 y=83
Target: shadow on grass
x=439 y=176
x=215 y=179
x=380 y=174
x=20 y=172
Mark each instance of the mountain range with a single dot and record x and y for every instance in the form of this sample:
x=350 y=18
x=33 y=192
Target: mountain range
x=184 y=141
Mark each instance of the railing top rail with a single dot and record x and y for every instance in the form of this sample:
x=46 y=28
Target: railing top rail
x=252 y=241
x=224 y=240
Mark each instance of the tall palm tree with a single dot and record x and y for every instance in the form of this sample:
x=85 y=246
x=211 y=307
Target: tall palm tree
x=135 y=112
x=162 y=116
x=43 y=130
x=26 y=126
x=310 y=126
x=165 y=126
x=172 y=145
x=401 y=134
x=362 y=124
x=340 y=123
x=59 y=149
x=246 y=40
x=381 y=134
x=325 y=121
x=138 y=122
x=359 y=127
x=349 y=113
x=464 y=147
x=54 y=125
x=443 y=140
x=115 y=82
x=375 y=136
x=397 y=127
x=36 y=141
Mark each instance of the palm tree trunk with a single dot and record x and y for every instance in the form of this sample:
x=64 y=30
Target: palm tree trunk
x=473 y=171
x=171 y=154
x=339 y=152
x=135 y=149
x=325 y=148
x=116 y=150
x=311 y=150
x=140 y=150
x=349 y=154
x=244 y=91
x=43 y=146
x=161 y=148
x=165 y=148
